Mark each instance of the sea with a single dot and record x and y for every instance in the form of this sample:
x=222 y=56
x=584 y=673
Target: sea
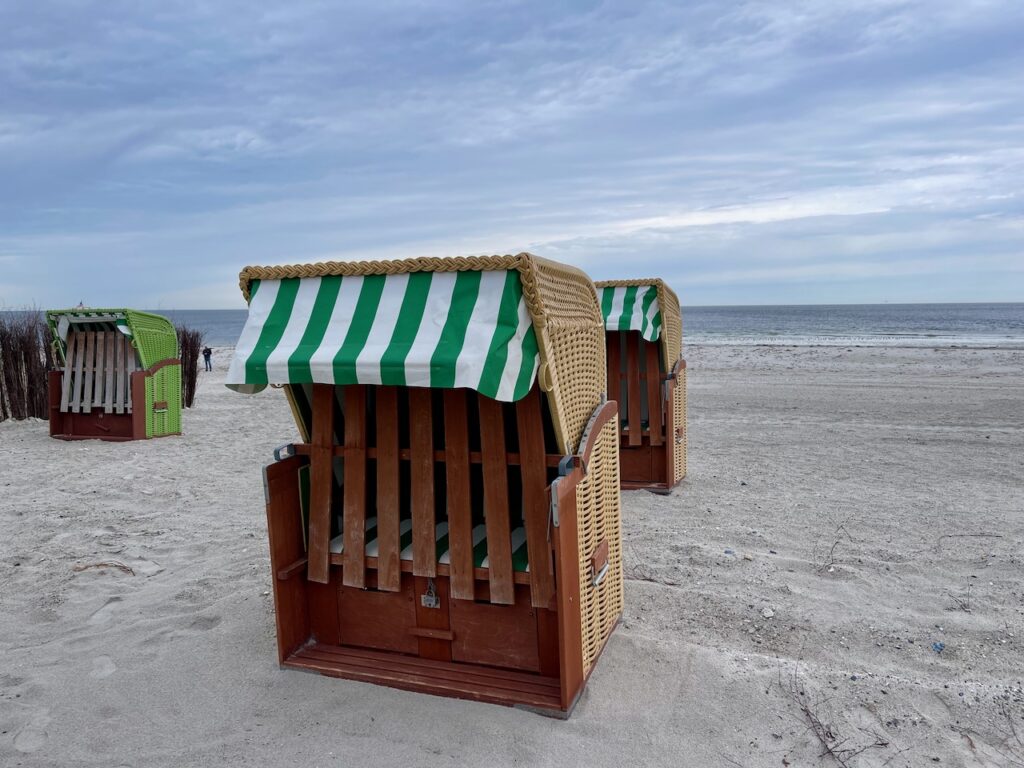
x=906 y=325
x=934 y=325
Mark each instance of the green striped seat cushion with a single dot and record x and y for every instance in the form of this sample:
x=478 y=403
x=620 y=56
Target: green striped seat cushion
x=632 y=308
x=520 y=561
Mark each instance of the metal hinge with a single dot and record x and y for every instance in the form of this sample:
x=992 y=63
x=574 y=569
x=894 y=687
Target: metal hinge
x=554 y=502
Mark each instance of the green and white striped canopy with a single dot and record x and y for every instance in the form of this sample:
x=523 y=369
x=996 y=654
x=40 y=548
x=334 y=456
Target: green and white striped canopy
x=427 y=329
x=632 y=308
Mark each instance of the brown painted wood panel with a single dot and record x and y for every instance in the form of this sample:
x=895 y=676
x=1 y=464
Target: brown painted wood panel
x=437 y=647
x=635 y=464
x=321 y=483
x=635 y=418
x=54 y=381
x=533 y=470
x=421 y=470
x=499 y=545
x=460 y=512
x=322 y=603
x=137 y=382
x=354 y=555
x=383 y=620
x=570 y=628
x=547 y=641
x=389 y=568
x=466 y=681
x=654 y=404
x=497 y=635
x=284 y=529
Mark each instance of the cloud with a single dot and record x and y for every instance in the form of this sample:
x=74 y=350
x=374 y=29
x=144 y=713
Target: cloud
x=786 y=142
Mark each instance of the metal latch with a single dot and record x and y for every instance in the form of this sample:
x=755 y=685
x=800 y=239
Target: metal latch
x=554 y=501
x=429 y=599
x=284 y=452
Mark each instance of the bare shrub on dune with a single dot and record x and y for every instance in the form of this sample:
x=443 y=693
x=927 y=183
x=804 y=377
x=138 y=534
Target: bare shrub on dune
x=25 y=358
x=190 y=342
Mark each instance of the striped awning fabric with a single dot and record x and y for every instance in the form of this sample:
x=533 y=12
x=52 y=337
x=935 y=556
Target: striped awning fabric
x=429 y=329
x=632 y=308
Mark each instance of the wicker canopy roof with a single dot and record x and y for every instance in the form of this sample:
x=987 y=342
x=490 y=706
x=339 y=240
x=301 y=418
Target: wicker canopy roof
x=153 y=336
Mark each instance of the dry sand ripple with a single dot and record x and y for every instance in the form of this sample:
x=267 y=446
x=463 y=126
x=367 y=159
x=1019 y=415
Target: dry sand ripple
x=843 y=564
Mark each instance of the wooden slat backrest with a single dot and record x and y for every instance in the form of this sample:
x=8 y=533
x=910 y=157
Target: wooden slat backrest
x=109 y=366
x=460 y=510
x=354 y=555
x=100 y=369
x=533 y=469
x=388 y=502
x=120 y=385
x=394 y=492
x=633 y=385
x=88 y=370
x=653 y=372
x=321 y=483
x=69 y=367
x=421 y=453
x=76 y=385
x=495 y=469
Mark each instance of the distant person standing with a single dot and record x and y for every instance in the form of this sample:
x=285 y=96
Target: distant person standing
x=207 y=354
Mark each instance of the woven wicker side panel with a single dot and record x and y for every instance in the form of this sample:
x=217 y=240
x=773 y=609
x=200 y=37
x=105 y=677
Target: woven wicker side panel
x=598 y=517
x=572 y=347
x=679 y=414
x=153 y=336
x=672 y=322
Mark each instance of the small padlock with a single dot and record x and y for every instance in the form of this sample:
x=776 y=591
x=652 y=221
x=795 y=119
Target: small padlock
x=429 y=599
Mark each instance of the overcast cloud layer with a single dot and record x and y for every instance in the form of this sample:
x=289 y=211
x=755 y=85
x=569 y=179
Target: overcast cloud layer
x=760 y=152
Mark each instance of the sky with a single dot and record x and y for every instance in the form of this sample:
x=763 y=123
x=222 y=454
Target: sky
x=813 y=151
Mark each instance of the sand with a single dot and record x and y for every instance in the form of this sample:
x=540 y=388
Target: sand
x=846 y=548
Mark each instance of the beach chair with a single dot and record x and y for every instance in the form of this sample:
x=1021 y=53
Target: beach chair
x=121 y=376
x=449 y=523
x=647 y=377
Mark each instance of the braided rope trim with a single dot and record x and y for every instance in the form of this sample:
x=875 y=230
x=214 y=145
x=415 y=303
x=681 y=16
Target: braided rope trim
x=521 y=263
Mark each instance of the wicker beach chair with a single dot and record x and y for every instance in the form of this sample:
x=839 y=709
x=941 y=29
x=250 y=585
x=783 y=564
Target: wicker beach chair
x=647 y=377
x=121 y=377
x=450 y=522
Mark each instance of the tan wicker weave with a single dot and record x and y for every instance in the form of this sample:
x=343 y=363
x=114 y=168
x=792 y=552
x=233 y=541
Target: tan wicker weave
x=679 y=417
x=671 y=316
x=599 y=517
x=563 y=306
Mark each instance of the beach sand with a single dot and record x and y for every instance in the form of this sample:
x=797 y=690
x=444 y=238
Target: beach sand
x=845 y=550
